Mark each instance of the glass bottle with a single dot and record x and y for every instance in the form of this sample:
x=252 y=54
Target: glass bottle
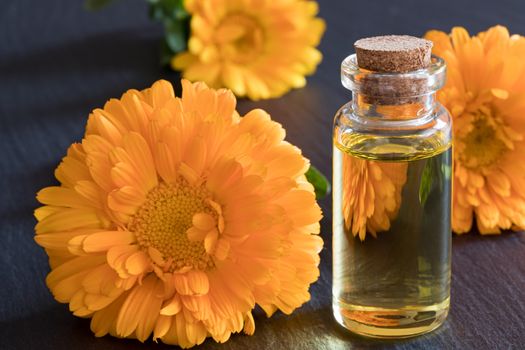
x=392 y=202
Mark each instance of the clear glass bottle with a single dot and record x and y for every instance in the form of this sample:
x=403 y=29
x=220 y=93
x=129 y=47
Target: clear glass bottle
x=392 y=202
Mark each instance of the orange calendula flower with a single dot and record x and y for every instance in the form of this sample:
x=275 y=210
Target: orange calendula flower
x=258 y=49
x=485 y=93
x=371 y=194
x=175 y=217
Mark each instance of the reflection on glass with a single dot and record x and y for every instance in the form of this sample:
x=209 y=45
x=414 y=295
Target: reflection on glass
x=371 y=194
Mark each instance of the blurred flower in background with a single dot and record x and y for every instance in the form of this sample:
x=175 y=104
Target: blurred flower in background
x=175 y=217
x=485 y=93
x=256 y=48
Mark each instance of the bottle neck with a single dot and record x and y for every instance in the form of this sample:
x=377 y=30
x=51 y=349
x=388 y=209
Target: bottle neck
x=399 y=98
x=393 y=108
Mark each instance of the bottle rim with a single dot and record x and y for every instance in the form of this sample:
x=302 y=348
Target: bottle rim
x=393 y=84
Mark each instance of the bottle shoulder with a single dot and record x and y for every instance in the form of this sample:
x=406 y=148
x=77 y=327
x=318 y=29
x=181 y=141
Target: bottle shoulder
x=392 y=139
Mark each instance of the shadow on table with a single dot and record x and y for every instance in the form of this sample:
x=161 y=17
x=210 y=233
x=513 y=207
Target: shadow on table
x=56 y=328
x=317 y=329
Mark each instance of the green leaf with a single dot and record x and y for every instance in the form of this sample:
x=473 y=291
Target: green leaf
x=319 y=181
x=446 y=170
x=175 y=35
x=180 y=11
x=425 y=186
x=176 y=21
x=432 y=176
x=94 y=5
x=156 y=13
x=168 y=9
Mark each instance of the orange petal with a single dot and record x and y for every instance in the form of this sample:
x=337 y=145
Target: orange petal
x=222 y=249
x=156 y=256
x=198 y=282
x=195 y=156
x=203 y=221
x=75 y=245
x=62 y=196
x=126 y=200
x=117 y=252
x=166 y=162
x=70 y=219
x=162 y=326
x=138 y=263
x=171 y=307
x=210 y=240
x=161 y=92
x=195 y=235
x=196 y=332
x=140 y=310
x=103 y=241
x=57 y=241
x=188 y=173
x=440 y=40
x=249 y=324
x=500 y=93
x=181 y=284
x=138 y=149
x=459 y=36
x=183 y=60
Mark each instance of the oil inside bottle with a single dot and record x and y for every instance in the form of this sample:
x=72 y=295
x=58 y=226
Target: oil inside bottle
x=391 y=241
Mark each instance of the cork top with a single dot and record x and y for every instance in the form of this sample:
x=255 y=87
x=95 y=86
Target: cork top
x=393 y=53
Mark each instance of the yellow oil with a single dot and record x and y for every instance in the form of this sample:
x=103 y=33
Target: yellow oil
x=391 y=236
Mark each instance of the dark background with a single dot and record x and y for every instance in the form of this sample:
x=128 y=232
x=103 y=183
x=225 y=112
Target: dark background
x=58 y=62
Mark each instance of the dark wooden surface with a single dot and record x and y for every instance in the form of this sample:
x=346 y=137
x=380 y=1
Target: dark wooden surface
x=57 y=62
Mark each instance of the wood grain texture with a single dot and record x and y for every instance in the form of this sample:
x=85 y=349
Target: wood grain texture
x=57 y=62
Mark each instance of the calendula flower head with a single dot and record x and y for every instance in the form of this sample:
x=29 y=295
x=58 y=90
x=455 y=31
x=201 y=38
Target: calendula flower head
x=485 y=93
x=371 y=194
x=259 y=49
x=174 y=217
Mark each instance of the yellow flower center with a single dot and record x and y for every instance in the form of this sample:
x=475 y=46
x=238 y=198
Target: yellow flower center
x=162 y=222
x=483 y=145
x=241 y=38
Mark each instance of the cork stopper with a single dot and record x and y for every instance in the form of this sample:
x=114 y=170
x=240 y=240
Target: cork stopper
x=393 y=53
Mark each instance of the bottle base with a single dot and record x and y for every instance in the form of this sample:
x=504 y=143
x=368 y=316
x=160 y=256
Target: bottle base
x=377 y=322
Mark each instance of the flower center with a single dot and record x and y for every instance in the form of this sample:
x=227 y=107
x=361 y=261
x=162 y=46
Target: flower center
x=242 y=38
x=482 y=143
x=162 y=222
